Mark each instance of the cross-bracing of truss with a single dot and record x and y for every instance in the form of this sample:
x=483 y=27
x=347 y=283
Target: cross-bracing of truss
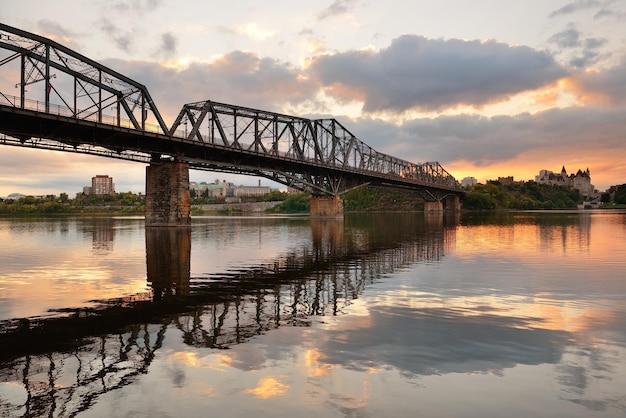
x=323 y=143
x=56 y=75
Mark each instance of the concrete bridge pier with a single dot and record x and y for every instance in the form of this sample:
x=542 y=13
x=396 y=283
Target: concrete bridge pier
x=326 y=207
x=452 y=202
x=436 y=206
x=168 y=202
x=448 y=203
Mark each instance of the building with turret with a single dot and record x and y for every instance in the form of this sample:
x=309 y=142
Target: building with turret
x=581 y=180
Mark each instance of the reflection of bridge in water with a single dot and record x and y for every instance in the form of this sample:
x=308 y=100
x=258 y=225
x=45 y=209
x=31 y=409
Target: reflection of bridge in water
x=215 y=312
x=308 y=281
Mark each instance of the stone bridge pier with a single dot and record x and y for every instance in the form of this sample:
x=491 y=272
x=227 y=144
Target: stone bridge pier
x=168 y=202
x=326 y=207
x=448 y=203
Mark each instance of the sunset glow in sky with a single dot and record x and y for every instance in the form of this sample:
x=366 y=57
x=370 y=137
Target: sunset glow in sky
x=488 y=88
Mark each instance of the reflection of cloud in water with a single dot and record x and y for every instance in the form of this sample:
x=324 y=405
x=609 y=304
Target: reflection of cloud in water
x=268 y=387
x=433 y=341
x=588 y=376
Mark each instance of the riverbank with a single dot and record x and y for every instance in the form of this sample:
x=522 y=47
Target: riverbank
x=247 y=207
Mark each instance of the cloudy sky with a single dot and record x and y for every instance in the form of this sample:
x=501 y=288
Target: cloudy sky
x=488 y=88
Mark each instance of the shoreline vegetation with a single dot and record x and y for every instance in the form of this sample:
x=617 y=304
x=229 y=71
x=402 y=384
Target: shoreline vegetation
x=492 y=196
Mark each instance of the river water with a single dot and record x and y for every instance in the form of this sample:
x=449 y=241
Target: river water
x=397 y=315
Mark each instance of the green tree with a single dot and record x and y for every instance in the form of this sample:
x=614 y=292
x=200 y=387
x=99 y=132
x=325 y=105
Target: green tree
x=479 y=201
x=293 y=203
x=275 y=196
x=620 y=194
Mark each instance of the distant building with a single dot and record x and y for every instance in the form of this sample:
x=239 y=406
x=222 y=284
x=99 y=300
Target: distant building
x=468 y=182
x=102 y=185
x=581 y=180
x=215 y=189
x=251 y=191
x=227 y=190
x=505 y=181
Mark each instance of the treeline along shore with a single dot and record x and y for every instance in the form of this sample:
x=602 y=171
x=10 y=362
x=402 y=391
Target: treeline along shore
x=489 y=196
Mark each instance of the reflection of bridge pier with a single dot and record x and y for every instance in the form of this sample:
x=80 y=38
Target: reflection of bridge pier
x=168 y=255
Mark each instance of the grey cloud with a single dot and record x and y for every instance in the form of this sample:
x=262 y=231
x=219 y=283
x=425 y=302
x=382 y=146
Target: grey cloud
x=569 y=38
x=610 y=83
x=587 y=57
x=594 y=43
x=484 y=141
x=53 y=28
x=603 y=13
x=64 y=35
x=606 y=13
x=419 y=73
x=169 y=45
x=338 y=7
x=123 y=41
x=239 y=78
x=586 y=50
x=574 y=7
x=248 y=80
x=135 y=5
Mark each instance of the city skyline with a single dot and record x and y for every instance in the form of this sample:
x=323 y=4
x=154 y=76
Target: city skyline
x=488 y=91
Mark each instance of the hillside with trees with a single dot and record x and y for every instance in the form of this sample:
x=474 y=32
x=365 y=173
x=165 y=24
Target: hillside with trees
x=615 y=196
x=521 y=196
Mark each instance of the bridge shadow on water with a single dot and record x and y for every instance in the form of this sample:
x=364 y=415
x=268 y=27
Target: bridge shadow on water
x=108 y=347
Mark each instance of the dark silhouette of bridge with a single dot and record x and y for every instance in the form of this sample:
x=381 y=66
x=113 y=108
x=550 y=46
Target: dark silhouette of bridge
x=68 y=102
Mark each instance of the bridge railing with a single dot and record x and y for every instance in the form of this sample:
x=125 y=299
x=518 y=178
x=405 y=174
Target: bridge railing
x=62 y=110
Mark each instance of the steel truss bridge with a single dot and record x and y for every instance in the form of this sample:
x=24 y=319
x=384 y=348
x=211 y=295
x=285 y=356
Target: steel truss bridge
x=65 y=101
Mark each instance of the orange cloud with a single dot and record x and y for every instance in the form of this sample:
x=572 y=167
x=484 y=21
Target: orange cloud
x=586 y=96
x=345 y=93
x=545 y=97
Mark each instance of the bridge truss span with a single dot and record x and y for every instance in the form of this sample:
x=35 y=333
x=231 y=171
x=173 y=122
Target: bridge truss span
x=59 y=77
x=335 y=159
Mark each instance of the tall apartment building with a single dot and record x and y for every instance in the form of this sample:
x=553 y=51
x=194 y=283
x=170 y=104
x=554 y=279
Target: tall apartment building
x=102 y=184
x=468 y=181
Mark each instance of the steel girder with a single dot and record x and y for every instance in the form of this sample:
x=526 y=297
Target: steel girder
x=72 y=84
x=337 y=160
